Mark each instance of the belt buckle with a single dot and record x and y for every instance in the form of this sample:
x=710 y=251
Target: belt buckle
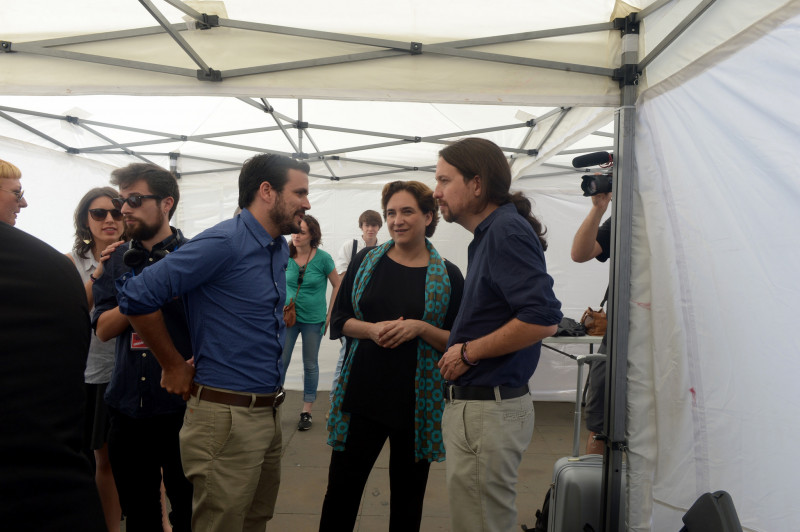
x=279 y=397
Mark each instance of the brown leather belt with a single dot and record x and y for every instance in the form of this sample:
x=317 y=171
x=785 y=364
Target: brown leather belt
x=238 y=399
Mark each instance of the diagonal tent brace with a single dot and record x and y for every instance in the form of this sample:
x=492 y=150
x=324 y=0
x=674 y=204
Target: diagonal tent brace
x=205 y=72
x=385 y=48
x=136 y=148
x=96 y=133
x=34 y=131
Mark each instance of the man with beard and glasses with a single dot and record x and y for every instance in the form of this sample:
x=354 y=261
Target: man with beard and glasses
x=232 y=278
x=145 y=419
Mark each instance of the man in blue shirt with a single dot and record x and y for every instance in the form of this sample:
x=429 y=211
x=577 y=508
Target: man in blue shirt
x=145 y=419
x=232 y=280
x=508 y=307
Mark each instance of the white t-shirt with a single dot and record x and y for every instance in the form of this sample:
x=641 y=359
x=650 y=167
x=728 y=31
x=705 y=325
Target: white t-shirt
x=346 y=253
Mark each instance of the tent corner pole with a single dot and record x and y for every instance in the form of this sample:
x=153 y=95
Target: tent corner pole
x=619 y=284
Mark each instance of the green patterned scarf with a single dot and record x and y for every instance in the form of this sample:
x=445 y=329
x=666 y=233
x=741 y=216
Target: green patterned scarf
x=428 y=379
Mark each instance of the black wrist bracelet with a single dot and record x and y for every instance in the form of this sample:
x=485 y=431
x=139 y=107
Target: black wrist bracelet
x=464 y=355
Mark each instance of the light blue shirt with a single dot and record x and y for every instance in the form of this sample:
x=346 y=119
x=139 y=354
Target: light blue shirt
x=233 y=281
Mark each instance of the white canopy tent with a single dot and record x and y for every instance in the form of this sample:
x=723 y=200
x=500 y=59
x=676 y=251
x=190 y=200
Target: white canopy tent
x=718 y=81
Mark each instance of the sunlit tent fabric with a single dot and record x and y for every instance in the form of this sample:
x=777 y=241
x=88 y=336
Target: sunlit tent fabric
x=711 y=351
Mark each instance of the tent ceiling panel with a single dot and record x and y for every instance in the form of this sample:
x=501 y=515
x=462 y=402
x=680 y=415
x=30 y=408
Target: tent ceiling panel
x=272 y=64
x=40 y=19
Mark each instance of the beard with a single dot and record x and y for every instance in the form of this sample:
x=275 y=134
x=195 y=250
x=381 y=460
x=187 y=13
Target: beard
x=143 y=231
x=447 y=214
x=283 y=219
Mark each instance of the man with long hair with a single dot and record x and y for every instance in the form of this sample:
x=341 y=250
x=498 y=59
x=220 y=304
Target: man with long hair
x=494 y=346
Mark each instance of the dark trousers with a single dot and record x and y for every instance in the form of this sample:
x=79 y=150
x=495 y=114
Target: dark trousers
x=350 y=469
x=139 y=449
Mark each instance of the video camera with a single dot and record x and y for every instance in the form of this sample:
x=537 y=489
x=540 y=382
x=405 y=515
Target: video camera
x=600 y=182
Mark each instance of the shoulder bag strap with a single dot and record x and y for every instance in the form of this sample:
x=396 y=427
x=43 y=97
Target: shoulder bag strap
x=355 y=250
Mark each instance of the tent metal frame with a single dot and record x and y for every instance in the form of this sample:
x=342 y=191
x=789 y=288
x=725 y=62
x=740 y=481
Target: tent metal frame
x=384 y=47
x=284 y=123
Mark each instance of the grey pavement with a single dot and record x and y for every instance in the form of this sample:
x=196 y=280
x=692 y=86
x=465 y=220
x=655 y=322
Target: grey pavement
x=306 y=455
x=305 y=472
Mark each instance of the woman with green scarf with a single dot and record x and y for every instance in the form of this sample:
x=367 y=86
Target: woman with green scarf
x=395 y=305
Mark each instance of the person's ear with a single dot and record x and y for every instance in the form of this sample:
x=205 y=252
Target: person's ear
x=477 y=185
x=266 y=192
x=166 y=204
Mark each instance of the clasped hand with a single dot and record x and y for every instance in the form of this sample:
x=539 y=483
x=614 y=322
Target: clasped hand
x=390 y=334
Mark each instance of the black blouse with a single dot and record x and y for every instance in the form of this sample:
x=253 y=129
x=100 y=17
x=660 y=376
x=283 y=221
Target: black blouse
x=381 y=383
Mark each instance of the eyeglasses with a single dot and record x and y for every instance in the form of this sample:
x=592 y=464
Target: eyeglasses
x=300 y=275
x=17 y=193
x=99 y=215
x=135 y=201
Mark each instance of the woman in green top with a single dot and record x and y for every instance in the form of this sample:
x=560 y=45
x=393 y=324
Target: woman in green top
x=306 y=283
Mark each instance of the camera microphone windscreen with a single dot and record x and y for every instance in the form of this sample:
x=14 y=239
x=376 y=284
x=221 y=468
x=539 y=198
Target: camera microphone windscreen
x=593 y=159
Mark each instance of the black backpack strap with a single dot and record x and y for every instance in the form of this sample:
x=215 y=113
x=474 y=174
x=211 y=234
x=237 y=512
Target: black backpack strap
x=355 y=250
x=605 y=298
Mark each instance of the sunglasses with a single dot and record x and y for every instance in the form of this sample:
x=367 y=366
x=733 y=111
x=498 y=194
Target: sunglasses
x=134 y=201
x=99 y=215
x=300 y=275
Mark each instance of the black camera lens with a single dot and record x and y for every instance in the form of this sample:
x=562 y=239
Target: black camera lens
x=594 y=184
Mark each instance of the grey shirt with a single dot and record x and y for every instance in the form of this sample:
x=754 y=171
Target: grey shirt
x=100 y=362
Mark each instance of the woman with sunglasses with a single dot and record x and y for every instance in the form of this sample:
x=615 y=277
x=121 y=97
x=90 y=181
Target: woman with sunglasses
x=307 y=276
x=396 y=305
x=98 y=224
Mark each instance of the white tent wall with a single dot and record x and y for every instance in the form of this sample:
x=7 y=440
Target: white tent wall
x=713 y=350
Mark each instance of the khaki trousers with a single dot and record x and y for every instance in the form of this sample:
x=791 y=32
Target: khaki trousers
x=232 y=457
x=484 y=441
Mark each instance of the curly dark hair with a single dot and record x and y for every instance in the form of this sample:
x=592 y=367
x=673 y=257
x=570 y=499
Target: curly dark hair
x=81 y=219
x=421 y=192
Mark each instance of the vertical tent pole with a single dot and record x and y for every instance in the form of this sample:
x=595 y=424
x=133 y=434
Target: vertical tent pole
x=620 y=280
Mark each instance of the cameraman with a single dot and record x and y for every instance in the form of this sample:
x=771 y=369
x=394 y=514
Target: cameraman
x=593 y=241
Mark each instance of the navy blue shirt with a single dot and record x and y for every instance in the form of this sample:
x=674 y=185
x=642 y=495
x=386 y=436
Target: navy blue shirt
x=233 y=281
x=135 y=386
x=604 y=239
x=506 y=278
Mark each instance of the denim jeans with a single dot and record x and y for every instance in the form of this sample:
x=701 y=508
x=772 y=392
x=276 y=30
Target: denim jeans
x=312 y=337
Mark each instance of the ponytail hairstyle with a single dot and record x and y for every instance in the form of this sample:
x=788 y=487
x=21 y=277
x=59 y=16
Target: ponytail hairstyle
x=480 y=157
